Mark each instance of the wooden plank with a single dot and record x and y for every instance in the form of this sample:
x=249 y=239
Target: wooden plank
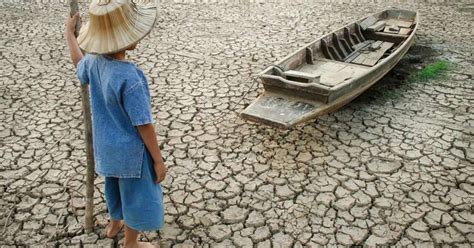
x=375 y=46
x=335 y=78
x=405 y=31
x=278 y=110
x=293 y=73
x=369 y=21
x=358 y=33
x=362 y=45
x=338 y=46
x=333 y=72
x=348 y=37
x=309 y=55
x=332 y=50
x=404 y=24
x=346 y=45
x=359 y=47
x=371 y=58
x=325 y=50
x=352 y=56
x=309 y=77
x=377 y=26
x=395 y=38
x=391 y=29
x=361 y=58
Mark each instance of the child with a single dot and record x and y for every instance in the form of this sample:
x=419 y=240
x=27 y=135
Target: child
x=125 y=145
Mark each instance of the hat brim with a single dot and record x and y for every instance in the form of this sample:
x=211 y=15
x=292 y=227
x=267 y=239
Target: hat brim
x=100 y=40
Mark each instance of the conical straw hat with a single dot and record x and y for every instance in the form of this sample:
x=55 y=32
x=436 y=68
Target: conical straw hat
x=115 y=25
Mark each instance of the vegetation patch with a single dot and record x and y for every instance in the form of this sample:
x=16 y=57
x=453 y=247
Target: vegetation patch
x=405 y=75
x=433 y=70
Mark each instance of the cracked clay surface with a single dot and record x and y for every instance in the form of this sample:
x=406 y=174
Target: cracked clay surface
x=394 y=167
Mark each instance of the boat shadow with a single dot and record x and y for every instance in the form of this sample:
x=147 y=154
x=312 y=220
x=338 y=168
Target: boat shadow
x=393 y=85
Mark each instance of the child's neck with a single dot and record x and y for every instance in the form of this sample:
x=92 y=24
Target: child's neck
x=119 y=55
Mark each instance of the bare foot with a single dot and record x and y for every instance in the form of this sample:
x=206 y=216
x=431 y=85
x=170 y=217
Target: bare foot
x=113 y=228
x=141 y=245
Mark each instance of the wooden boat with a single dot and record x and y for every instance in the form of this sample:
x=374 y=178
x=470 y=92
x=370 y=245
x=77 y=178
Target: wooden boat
x=330 y=72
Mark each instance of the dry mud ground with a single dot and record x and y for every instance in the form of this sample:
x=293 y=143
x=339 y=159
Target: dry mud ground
x=394 y=167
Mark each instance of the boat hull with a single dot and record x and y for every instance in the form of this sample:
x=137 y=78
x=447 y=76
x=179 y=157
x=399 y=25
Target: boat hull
x=284 y=104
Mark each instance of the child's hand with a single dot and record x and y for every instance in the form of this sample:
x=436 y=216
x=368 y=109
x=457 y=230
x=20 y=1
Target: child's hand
x=148 y=135
x=74 y=49
x=160 y=171
x=71 y=23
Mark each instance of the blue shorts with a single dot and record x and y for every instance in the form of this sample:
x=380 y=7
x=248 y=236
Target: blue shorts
x=137 y=201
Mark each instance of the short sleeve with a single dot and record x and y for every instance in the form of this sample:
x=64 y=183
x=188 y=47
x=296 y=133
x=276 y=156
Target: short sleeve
x=81 y=71
x=137 y=104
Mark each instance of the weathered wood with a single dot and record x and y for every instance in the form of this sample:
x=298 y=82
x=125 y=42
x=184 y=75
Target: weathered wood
x=278 y=110
x=370 y=58
x=378 y=26
x=359 y=47
x=325 y=50
x=90 y=171
x=301 y=76
x=332 y=72
x=391 y=29
x=358 y=33
x=346 y=46
x=395 y=38
x=362 y=45
x=339 y=47
x=404 y=31
x=309 y=55
x=348 y=37
x=340 y=76
x=375 y=45
x=340 y=81
x=369 y=21
x=352 y=56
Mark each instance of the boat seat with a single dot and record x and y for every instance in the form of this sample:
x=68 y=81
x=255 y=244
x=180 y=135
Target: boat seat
x=329 y=51
x=348 y=37
x=340 y=48
x=300 y=76
x=378 y=26
x=297 y=75
x=390 y=27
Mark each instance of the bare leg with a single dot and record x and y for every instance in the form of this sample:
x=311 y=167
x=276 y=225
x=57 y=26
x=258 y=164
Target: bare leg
x=131 y=240
x=114 y=228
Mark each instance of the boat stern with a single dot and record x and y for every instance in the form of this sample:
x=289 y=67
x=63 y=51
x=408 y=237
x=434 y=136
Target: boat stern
x=280 y=110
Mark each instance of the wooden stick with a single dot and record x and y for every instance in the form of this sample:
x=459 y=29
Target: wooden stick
x=86 y=108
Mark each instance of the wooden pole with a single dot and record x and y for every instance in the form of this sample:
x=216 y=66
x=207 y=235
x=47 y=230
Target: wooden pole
x=86 y=109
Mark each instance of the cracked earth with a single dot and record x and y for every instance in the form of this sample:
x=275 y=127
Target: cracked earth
x=394 y=167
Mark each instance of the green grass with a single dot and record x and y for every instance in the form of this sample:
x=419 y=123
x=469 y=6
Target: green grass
x=433 y=70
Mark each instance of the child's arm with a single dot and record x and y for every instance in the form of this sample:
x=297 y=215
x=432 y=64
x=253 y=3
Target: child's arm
x=147 y=132
x=74 y=49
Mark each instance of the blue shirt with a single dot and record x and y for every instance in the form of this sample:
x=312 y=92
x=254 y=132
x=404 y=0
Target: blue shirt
x=120 y=102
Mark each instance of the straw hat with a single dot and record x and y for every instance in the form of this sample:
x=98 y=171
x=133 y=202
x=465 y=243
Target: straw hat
x=115 y=25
